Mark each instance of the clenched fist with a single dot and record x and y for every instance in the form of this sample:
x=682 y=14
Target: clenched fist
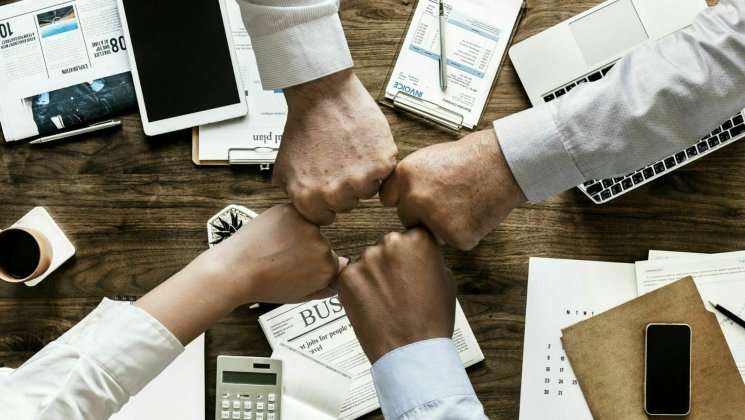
x=399 y=293
x=459 y=190
x=336 y=148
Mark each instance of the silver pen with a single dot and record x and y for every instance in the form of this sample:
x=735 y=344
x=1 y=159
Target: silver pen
x=91 y=128
x=443 y=58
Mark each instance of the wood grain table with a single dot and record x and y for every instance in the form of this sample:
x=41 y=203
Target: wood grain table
x=136 y=208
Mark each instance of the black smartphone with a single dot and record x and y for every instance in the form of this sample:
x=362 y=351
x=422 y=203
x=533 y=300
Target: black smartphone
x=667 y=370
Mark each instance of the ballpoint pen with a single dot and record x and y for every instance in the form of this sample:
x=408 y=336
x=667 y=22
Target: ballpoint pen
x=736 y=319
x=443 y=58
x=94 y=127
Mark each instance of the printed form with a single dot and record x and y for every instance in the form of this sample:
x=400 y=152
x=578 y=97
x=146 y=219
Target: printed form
x=477 y=36
x=719 y=278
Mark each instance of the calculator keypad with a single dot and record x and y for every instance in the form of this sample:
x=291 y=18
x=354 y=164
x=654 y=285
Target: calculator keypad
x=249 y=407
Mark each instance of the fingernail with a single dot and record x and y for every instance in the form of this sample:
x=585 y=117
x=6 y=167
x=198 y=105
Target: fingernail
x=349 y=260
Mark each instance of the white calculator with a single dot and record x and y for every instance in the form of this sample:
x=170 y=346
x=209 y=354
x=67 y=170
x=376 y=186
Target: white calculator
x=248 y=388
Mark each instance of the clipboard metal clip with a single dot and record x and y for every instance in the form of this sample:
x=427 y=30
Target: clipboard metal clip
x=428 y=110
x=264 y=156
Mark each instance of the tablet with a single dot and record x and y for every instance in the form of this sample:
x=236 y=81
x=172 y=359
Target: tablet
x=183 y=63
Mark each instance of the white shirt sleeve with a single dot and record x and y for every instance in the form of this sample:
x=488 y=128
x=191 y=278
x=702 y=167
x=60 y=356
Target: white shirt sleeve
x=425 y=380
x=295 y=41
x=93 y=369
x=659 y=99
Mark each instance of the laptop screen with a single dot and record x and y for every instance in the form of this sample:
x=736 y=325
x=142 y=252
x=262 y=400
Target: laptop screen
x=608 y=31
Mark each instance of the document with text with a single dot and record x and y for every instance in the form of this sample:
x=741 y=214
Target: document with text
x=322 y=330
x=562 y=293
x=720 y=278
x=477 y=36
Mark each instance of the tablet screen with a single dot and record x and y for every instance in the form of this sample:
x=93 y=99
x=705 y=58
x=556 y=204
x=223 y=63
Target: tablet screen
x=182 y=56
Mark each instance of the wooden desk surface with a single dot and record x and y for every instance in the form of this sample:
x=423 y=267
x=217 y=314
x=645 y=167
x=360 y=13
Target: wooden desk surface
x=136 y=209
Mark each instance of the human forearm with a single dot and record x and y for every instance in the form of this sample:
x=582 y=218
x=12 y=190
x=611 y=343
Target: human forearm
x=93 y=369
x=659 y=99
x=193 y=299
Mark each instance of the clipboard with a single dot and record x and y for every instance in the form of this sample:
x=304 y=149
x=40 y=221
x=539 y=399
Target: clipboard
x=427 y=110
x=263 y=157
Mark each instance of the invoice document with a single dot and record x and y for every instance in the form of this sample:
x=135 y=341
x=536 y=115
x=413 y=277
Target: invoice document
x=720 y=278
x=477 y=34
x=561 y=293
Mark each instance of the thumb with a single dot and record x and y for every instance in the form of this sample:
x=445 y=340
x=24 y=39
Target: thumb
x=343 y=263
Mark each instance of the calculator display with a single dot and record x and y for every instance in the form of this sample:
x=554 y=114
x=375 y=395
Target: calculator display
x=249 y=378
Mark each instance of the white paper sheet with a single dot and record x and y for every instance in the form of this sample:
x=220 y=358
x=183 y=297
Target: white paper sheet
x=267 y=110
x=177 y=393
x=561 y=293
x=659 y=255
x=312 y=390
x=720 y=278
x=477 y=34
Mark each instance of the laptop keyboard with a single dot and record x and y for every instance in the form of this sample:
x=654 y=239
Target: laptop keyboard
x=604 y=190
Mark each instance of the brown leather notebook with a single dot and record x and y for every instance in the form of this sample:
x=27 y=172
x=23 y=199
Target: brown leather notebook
x=606 y=353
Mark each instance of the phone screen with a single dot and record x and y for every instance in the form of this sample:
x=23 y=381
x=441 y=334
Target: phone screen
x=182 y=56
x=668 y=369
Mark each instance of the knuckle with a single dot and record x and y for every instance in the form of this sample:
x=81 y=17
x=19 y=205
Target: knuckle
x=463 y=242
x=301 y=197
x=404 y=169
x=393 y=239
x=419 y=235
x=370 y=253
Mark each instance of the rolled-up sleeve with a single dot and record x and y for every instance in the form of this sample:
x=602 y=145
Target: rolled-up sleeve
x=93 y=369
x=660 y=98
x=425 y=380
x=295 y=41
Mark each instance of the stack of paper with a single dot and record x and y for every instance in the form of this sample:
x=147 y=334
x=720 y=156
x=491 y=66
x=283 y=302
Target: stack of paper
x=563 y=292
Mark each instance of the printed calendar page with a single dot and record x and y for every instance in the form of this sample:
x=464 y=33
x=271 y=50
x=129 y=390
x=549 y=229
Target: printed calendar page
x=561 y=293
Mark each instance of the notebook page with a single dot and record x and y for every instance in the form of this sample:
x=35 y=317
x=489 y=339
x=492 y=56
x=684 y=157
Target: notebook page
x=561 y=293
x=312 y=390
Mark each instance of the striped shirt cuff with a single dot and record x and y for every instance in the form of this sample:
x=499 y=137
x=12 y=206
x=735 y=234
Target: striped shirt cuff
x=532 y=145
x=301 y=53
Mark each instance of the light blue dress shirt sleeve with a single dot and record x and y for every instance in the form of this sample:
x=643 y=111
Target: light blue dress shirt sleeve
x=660 y=98
x=425 y=380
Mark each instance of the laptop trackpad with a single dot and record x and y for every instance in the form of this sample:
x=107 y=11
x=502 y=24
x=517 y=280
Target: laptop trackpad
x=608 y=31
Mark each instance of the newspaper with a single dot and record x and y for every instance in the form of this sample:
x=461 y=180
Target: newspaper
x=321 y=329
x=62 y=64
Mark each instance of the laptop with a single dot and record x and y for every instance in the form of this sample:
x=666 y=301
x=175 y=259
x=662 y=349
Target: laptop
x=585 y=48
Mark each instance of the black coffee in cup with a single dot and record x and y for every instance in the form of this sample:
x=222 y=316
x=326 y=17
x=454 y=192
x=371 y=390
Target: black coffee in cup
x=19 y=253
